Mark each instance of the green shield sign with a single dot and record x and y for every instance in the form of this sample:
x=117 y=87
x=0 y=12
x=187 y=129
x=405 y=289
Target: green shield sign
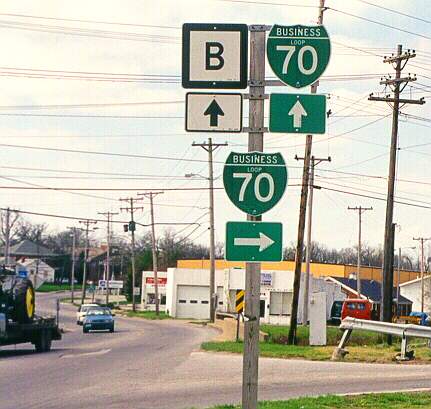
x=255 y=181
x=298 y=55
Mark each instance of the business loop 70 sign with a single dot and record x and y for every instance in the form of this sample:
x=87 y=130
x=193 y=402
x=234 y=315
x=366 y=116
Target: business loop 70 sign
x=255 y=181
x=298 y=55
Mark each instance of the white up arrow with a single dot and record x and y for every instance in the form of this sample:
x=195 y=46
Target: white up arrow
x=298 y=112
x=263 y=242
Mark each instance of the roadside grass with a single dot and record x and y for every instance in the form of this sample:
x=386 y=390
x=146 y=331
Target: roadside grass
x=149 y=315
x=371 y=401
x=363 y=346
x=47 y=288
x=278 y=335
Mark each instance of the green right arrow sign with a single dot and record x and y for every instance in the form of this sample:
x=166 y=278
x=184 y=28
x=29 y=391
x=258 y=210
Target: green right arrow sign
x=253 y=241
x=297 y=113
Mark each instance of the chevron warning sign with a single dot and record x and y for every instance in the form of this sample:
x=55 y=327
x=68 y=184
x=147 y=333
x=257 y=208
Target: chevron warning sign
x=239 y=301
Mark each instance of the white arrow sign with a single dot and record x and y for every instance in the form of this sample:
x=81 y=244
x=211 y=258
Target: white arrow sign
x=298 y=112
x=263 y=241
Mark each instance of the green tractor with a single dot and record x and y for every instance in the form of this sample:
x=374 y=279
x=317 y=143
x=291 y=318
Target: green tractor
x=17 y=297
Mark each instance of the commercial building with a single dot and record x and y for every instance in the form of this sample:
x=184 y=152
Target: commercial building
x=148 y=295
x=413 y=291
x=187 y=293
x=317 y=269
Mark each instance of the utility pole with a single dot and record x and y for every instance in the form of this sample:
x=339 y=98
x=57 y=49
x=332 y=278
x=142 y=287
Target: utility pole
x=252 y=270
x=72 y=273
x=132 y=228
x=397 y=85
x=302 y=213
x=151 y=195
x=314 y=162
x=87 y=224
x=108 y=242
x=422 y=240
x=210 y=147
x=360 y=210
x=7 y=237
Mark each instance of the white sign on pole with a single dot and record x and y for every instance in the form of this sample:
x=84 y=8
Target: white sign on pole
x=215 y=56
x=216 y=112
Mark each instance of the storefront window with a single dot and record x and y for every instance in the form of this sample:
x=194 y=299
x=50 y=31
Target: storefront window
x=280 y=303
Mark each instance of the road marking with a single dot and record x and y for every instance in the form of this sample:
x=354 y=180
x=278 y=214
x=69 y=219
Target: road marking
x=95 y=353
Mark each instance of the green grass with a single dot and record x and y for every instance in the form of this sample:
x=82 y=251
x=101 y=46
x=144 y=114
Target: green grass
x=363 y=346
x=278 y=335
x=372 y=401
x=273 y=350
x=149 y=315
x=47 y=287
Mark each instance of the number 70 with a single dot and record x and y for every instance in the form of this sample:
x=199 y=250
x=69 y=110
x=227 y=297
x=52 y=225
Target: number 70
x=291 y=50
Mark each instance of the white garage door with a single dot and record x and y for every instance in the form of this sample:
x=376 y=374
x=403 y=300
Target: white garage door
x=193 y=302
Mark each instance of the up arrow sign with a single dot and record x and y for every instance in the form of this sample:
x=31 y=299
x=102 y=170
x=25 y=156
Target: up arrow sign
x=214 y=111
x=263 y=242
x=298 y=112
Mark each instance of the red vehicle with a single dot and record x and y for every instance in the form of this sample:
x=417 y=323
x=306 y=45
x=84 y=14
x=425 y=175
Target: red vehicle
x=357 y=308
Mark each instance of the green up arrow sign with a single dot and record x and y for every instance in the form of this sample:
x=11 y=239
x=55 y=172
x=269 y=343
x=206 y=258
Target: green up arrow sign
x=253 y=241
x=255 y=181
x=297 y=113
x=298 y=55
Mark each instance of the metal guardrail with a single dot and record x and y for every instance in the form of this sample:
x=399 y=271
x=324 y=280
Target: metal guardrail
x=404 y=331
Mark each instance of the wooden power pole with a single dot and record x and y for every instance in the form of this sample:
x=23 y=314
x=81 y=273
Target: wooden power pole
x=397 y=85
x=210 y=147
x=108 y=245
x=422 y=240
x=314 y=163
x=360 y=210
x=302 y=213
x=87 y=224
x=151 y=195
x=132 y=227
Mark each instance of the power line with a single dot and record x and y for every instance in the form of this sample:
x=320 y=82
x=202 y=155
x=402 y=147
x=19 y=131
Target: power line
x=395 y=11
x=123 y=155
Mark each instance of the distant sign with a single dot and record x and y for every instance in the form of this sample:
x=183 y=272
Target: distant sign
x=113 y=284
x=215 y=56
x=266 y=279
x=137 y=291
x=161 y=281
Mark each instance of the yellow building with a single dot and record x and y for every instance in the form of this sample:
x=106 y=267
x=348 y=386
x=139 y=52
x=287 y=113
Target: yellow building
x=317 y=269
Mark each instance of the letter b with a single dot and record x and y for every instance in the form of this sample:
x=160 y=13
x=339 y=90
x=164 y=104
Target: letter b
x=214 y=51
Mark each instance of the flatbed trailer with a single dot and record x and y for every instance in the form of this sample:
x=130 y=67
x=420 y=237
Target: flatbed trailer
x=40 y=332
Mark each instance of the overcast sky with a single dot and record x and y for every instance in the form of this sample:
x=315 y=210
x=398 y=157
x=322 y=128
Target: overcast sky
x=49 y=65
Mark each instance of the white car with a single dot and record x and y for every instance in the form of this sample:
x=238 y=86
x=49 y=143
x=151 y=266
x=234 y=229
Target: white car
x=82 y=312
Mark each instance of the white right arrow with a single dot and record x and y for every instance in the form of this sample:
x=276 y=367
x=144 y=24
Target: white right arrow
x=298 y=112
x=263 y=241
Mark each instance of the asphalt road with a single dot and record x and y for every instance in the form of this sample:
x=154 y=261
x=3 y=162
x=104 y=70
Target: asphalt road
x=154 y=365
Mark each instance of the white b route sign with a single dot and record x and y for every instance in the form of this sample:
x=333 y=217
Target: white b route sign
x=216 y=112
x=215 y=56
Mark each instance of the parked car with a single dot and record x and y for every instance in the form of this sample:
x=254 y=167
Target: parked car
x=98 y=319
x=358 y=308
x=82 y=312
